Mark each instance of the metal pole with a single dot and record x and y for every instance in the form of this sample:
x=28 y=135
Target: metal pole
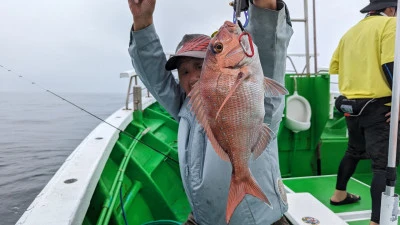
x=315 y=38
x=137 y=98
x=127 y=95
x=307 y=36
x=394 y=117
x=390 y=200
x=298 y=20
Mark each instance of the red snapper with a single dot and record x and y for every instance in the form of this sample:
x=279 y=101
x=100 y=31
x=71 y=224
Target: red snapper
x=228 y=101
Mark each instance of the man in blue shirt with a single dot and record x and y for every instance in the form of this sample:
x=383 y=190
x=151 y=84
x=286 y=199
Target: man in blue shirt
x=205 y=176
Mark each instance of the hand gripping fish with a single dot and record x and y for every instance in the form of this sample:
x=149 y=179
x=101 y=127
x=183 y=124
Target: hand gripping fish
x=228 y=101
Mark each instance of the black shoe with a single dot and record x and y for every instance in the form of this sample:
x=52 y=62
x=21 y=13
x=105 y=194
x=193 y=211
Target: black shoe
x=350 y=198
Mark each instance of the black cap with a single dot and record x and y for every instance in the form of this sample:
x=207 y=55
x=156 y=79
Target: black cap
x=378 y=5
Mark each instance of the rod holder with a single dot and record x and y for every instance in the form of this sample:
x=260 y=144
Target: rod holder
x=137 y=98
x=127 y=95
x=389 y=209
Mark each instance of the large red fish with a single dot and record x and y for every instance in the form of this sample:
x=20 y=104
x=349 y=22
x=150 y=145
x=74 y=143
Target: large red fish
x=228 y=102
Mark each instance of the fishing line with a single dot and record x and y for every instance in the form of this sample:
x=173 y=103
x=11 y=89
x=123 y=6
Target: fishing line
x=122 y=206
x=86 y=111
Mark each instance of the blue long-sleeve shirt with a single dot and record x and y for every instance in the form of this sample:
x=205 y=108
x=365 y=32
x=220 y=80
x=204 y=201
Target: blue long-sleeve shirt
x=206 y=177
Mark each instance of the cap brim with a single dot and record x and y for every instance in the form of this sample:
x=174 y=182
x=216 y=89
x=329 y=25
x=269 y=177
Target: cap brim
x=378 y=6
x=172 y=61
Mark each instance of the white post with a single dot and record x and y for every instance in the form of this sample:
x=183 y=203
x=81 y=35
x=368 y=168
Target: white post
x=390 y=200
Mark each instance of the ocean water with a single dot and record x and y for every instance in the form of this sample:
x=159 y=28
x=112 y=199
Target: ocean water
x=38 y=131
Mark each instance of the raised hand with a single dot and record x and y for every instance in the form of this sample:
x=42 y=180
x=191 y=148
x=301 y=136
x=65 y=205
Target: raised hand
x=142 y=12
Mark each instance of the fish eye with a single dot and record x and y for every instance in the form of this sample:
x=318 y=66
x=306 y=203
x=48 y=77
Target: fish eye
x=218 y=47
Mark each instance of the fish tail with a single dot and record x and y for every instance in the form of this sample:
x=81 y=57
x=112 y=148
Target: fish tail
x=237 y=191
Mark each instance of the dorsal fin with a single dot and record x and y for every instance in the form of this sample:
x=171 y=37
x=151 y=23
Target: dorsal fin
x=273 y=88
x=198 y=109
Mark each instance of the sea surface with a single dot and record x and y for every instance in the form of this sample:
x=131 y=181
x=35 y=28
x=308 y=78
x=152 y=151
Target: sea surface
x=38 y=131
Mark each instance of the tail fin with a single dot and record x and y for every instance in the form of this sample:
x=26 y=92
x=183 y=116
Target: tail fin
x=237 y=191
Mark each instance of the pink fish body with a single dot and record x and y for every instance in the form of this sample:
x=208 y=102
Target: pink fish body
x=228 y=102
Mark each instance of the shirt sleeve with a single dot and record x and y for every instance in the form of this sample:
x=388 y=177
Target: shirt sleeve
x=334 y=65
x=148 y=59
x=388 y=41
x=271 y=31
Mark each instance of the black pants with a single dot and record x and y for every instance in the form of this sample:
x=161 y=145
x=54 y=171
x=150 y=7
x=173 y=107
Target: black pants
x=368 y=139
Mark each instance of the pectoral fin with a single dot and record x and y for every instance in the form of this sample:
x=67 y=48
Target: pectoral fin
x=240 y=79
x=265 y=137
x=273 y=88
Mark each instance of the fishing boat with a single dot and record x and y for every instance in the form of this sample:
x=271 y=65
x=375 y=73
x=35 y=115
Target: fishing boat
x=126 y=170
x=132 y=177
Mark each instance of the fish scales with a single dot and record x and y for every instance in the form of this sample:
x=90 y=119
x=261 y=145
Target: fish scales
x=228 y=101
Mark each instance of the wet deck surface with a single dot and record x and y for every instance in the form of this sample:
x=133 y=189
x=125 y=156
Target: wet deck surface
x=322 y=188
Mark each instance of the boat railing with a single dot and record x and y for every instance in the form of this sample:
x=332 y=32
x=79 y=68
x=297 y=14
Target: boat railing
x=136 y=90
x=290 y=57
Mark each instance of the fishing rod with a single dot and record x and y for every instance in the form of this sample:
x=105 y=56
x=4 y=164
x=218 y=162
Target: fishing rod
x=84 y=110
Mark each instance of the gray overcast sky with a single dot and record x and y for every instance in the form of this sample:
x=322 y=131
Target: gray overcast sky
x=81 y=46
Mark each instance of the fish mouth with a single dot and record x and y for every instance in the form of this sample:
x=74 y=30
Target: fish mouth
x=224 y=34
x=231 y=27
x=229 y=23
x=227 y=31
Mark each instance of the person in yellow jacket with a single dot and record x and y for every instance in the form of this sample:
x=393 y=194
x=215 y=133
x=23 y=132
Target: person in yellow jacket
x=364 y=62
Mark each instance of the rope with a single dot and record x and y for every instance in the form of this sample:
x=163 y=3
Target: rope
x=122 y=206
